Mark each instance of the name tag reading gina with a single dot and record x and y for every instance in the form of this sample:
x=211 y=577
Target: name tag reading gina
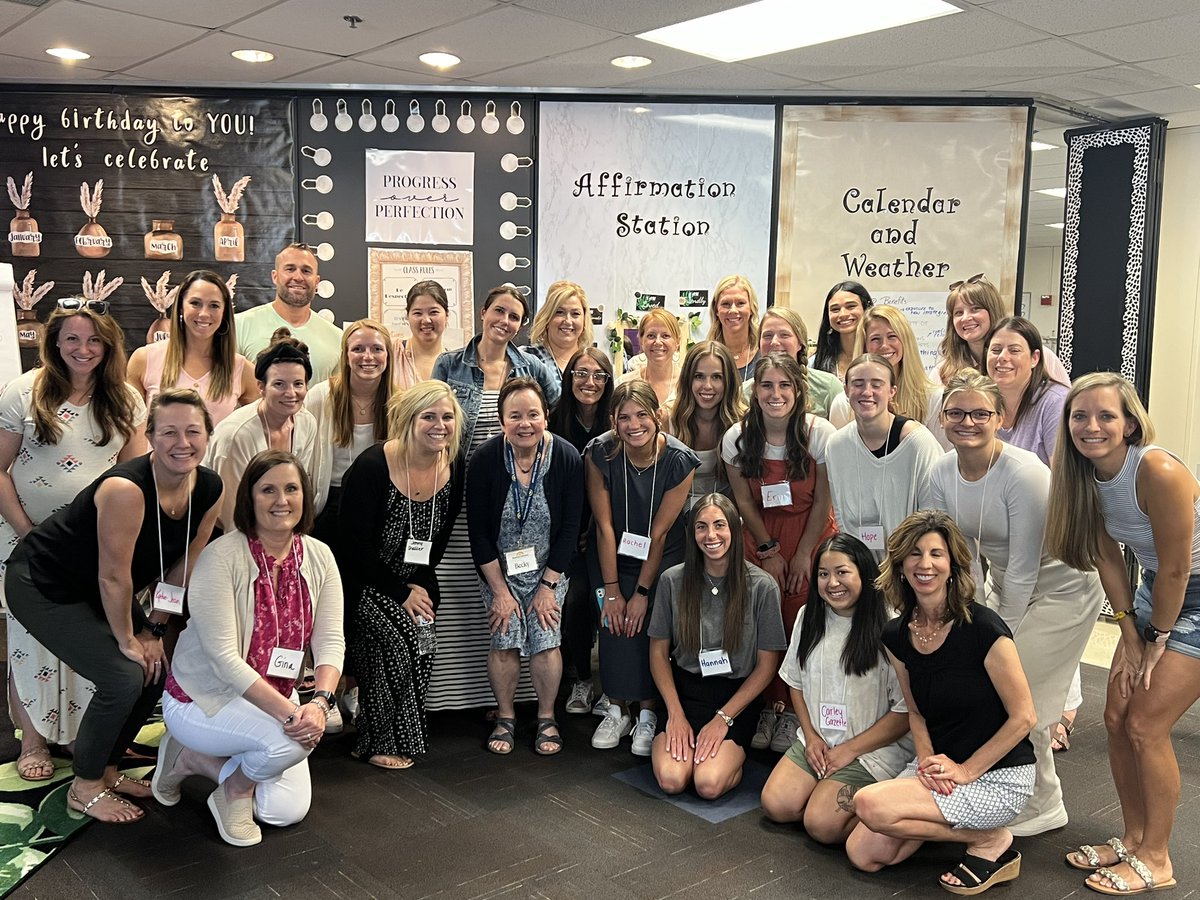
x=521 y=560
x=714 y=662
x=168 y=598
x=286 y=663
x=834 y=717
x=635 y=545
x=776 y=495
x=873 y=536
x=416 y=553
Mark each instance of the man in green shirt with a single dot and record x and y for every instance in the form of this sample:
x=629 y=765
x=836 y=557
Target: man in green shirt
x=295 y=277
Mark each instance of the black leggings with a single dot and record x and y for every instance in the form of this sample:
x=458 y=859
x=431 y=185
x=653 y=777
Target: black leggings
x=79 y=635
x=579 y=616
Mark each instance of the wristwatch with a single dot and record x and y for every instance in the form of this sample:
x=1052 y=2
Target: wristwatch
x=642 y=591
x=768 y=546
x=158 y=629
x=1152 y=635
x=727 y=719
x=553 y=585
x=327 y=696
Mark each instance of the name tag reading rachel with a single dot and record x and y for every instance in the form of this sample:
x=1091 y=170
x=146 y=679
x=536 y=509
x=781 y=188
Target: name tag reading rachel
x=714 y=662
x=873 y=536
x=520 y=561
x=834 y=717
x=286 y=663
x=168 y=598
x=635 y=545
x=416 y=553
x=776 y=495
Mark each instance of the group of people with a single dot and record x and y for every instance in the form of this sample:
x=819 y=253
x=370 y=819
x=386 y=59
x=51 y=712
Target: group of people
x=886 y=579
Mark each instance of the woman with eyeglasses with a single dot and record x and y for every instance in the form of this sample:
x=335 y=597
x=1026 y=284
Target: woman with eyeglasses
x=840 y=317
x=562 y=327
x=998 y=494
x=579 y=417
x=61 y=426
x=661 y=336
x=141 y=523
x=428 y=313
x=201 y=352
x=733 y=312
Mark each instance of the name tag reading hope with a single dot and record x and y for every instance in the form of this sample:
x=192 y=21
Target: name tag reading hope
x=873 y=536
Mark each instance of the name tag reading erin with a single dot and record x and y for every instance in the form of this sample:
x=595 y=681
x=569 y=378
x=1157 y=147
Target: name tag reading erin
x=286 y=663
x=521 y=560
x=834 y=717
x=168 y=598
x=873 y=536
x=416 y=553
x=635 y=545
x=776 y=495
x=714 y=662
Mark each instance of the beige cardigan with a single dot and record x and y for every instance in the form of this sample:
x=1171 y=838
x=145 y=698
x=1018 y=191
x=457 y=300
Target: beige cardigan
x=210 y=659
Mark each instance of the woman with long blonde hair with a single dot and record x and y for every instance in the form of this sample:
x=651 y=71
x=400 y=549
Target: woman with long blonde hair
x=734 y=314
x=661 y=338
x=562 y=327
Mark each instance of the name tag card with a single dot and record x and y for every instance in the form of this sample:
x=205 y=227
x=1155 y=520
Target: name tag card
x=286 y=663
x=519 y=561
x=873 y=536
x=714 y=662
x=416 y=553
x=776 y=495
x=635 y=545
x=834 y=717
x=168 y=598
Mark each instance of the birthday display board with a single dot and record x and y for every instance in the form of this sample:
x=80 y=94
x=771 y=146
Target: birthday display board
x=132 y=188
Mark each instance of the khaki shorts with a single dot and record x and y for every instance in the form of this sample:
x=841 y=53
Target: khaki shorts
x=855 y=774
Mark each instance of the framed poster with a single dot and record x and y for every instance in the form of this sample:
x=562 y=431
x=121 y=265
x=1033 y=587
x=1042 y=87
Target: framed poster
x=390 y=273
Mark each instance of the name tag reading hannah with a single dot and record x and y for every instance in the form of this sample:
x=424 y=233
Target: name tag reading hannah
x=635 y=545
x=834 y=717
x=521 y=560
x=714 y=662
x=873 y=536
x=168 y=598
x=416 y=553
x=286 y=663
x=776 y=495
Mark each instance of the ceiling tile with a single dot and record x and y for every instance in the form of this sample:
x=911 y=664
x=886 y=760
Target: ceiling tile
x=1147 y=40
x=488 y=42
x=723 y=77
x=1073 y=16
x=1166 y=101
x=1184 y=69
x=1109 y=81
x=592 y=66
x=20 y=69
x=207 y=61
x=207 y=13
x=295 y=22
x=11 y=13
x=114 y=39
x=352 y=71
x=630 y=16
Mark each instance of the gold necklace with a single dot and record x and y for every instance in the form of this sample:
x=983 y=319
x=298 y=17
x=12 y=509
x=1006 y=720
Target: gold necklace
x=925 y=638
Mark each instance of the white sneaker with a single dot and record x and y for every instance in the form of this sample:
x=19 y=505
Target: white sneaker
x=333 y=721
x=614 y=726
x=766 y=729
x=600 y=707
x=580 y=701
x=643 y=735
x=785 y=733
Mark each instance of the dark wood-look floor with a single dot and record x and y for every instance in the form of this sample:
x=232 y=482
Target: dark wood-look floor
x=466 y=824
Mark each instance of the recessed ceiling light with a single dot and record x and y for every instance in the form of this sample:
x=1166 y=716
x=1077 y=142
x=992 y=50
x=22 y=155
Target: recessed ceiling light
x=252 y=56
x=1035 y=146
x=1058 y=225
x=439 y=60
x=631 y=62
x=641 y=110
x=66 y=53
x=772 y=26
x=1053 y=192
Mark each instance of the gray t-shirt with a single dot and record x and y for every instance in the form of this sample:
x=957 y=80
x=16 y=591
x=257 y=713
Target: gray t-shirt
x=762 y=623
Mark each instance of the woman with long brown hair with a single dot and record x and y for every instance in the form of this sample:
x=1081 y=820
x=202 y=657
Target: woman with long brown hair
x=708 y=402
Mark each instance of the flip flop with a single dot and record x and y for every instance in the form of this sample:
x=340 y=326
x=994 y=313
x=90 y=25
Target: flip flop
x=547 y=744
x=122 y=778
x=504 y=733
x=978 y=874
x=85 y=812
x=1121 y=887
x=38 y=759
x=1093 y=858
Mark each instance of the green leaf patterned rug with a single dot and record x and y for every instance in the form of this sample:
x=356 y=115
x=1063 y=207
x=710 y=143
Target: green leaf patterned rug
x=34 y=824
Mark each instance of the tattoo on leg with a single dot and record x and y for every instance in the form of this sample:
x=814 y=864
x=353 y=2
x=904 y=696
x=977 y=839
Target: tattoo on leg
x=845 y=798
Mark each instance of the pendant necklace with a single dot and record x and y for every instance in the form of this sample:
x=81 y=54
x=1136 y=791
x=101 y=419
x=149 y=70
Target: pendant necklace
x=713 y=586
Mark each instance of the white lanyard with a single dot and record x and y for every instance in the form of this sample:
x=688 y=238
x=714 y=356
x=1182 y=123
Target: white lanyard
x=275 y=602
x=408 y=497
x=992 y=457
x=162 y=568
x=653 y=482
x=860 y=488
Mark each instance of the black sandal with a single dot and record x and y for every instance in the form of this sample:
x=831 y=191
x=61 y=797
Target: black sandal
x=978 y=874
x=543 y=740
x=504 y=733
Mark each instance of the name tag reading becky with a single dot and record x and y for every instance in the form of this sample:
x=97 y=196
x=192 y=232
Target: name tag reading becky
x=635 y=545
x=416 y=553
x=776 y=495
x=714 y=662
x=168 y=598
x=873 y=536
x=521 y=560
x=286 y=663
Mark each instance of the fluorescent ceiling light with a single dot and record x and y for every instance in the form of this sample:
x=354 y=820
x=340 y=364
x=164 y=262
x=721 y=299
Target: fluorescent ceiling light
x=1053 y=192
x=1035 y=146
x=66 y=53
x=772 y=26
x=1058 y=225
x=439 y=60
x=253 y=56
x=631 y=62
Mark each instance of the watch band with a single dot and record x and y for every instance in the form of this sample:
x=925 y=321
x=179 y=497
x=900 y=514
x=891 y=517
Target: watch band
x=1153 y=636
x=158 y=629
x=642 y=590
x=725 y=717
x=327 y=696
x=553 y=585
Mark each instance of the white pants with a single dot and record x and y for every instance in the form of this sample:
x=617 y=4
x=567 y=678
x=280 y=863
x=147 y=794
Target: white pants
x=254 y=743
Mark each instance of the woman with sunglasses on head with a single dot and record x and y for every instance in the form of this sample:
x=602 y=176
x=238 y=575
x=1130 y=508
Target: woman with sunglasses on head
x=142 y=522
x=61 y=426
x=1111 y=485
x=734 y=321
x=775 y=461
x=708 y=404
x=562 y=327
x=840 y=317
x=715 y=642
x=476 y=373
x=428 y=313
x=783 y=331
x=661 y=336
x=579 y=417
x=278 y=421
x=998 y=494
x=201 y=351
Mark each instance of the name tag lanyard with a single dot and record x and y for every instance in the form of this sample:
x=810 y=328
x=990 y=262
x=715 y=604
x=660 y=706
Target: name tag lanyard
x=275 y=602
x=416 y=551
x=522 y=513
x=861 y=490
x=977 y=565
x=162 y=567
x=653 y=484
x=823 y=670
x=716 y=659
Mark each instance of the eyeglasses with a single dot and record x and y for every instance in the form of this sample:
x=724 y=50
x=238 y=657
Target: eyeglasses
x=585 y=375
x=972 y=280
x=73 y=304
x=978 y=416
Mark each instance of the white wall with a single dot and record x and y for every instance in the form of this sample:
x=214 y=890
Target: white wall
x=1043 y=275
